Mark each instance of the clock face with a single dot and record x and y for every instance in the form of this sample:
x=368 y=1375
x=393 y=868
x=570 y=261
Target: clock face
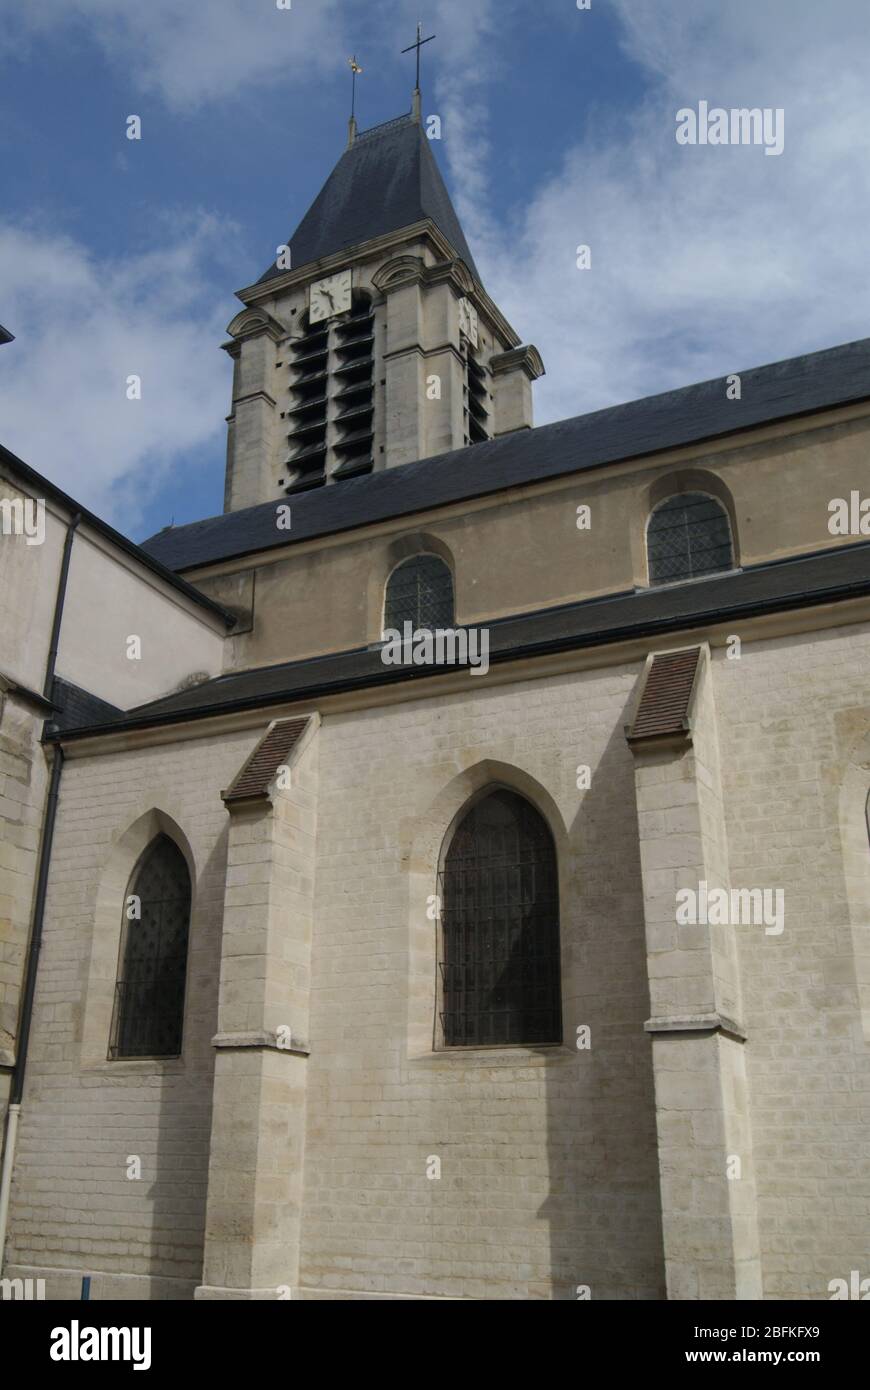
x=330 y=296
x=468 y=320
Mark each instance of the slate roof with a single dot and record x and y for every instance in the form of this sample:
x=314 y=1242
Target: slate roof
x=691 y=415
x=76 y=706
x=663 y=708
x=387 y=180
x=828 y=576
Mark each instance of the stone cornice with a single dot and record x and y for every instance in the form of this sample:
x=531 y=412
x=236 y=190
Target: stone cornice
x=253 y=396
x=252 y=323
x=279 y=284
x=526 y=357
x=696 y=1023
x=423 y=352
x=258 y=1039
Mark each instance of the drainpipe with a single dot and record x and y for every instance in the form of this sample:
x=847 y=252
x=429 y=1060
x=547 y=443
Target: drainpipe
x=58 y=605
x=29 y=991
x=49 y=816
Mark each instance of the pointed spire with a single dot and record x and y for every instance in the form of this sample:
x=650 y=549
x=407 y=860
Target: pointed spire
x=387 y=178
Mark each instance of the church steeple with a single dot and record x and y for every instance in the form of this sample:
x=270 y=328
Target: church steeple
x=386 y=180
x=370 y=341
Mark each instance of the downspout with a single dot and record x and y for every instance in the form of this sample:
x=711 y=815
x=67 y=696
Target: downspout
x=58 y=605
x=48 y=822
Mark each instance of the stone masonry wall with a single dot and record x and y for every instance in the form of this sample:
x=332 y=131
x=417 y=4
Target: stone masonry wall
x=548 y=1168
x=73 y=1207
x=780 y=708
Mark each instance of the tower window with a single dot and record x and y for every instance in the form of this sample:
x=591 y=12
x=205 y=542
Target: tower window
x=499 y=956
x=688 y=535
x=420 y=592
x=149 y=994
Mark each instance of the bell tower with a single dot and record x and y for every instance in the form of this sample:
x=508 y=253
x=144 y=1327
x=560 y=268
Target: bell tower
x=370 y=342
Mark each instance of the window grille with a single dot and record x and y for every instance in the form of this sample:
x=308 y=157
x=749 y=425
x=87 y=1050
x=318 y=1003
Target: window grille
x=500 y=959
x=688 y=536
x=420 y=592
x=149 y=994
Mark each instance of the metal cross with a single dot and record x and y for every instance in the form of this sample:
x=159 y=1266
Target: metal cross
x=418 y=45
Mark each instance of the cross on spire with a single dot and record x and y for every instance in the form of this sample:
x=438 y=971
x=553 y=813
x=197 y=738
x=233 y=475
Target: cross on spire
x=418 y=45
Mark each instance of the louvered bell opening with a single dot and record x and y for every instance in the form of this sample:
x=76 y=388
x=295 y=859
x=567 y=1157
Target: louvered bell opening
x=477 y=426
x=354 y=394
x=307 y=413
x=359 y=328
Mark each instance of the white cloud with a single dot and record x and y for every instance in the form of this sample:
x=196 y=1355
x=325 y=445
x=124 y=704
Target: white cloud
x=82 y=327
x=189 y=53
x=704 y=260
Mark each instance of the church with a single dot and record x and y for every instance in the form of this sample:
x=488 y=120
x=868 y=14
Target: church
x=360 y=845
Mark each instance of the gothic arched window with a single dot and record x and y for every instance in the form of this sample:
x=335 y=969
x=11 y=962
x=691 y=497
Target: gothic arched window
x=688 y=535
x=499 y=951
x=420 y=592
x=149 y=994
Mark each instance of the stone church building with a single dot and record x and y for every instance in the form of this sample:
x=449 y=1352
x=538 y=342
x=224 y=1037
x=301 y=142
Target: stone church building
x=446 y=873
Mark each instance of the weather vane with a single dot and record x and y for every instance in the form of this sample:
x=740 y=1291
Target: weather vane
x=355 y=68
x=418 y=45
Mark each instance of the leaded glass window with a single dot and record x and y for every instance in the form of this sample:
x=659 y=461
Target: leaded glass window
x=149 y=994
x=500 y=967
x=688 y=535
x=420 y=592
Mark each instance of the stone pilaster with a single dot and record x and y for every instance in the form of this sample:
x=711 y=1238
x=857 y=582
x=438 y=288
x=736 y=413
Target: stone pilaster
x=707 y=1181
x=253 y=446
x=258 y=1125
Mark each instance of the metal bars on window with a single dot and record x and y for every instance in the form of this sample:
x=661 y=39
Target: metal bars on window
x=500 y=966
x=420 y=592
x=149 y=994
x=688 y=535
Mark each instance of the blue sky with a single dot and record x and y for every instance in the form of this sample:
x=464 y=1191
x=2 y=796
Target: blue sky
x=119 y=257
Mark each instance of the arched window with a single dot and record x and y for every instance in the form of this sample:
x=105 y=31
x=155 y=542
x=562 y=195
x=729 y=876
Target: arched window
x=688 y=535
x=149 y=994
x=420 y=592
x=499 y=951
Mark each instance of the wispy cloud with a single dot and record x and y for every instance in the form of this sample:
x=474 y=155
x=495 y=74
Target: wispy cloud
x=187 y=53
x=83 y=326
x=704 y=259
